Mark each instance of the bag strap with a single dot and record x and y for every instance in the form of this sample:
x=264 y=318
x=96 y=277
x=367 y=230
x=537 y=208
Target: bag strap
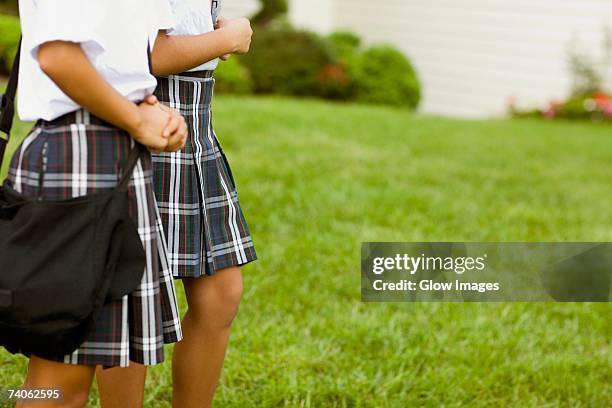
x=130 y=164
x=7 y=104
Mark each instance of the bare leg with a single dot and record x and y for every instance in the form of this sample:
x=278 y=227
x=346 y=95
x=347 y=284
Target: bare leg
x=122 y=387
x=198 y=359
x=74 y=382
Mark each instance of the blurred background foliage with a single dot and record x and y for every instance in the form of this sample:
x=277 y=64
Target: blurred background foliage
x=589 y=98
x=269 y=11
x=8 y=6
x=9 y=40
x=288 y=61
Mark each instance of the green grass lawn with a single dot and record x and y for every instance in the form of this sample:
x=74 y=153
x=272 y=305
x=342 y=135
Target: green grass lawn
x=316 y=179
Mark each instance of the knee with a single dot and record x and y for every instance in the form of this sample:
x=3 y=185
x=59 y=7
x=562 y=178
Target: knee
x=215 y=303
x=229 y=295
x=230 y=292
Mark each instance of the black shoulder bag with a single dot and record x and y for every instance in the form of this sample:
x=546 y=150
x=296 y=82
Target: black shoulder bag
x=60 y=261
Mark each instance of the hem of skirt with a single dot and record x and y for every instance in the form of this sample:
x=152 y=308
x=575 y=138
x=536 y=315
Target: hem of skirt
x=103 y=363
x=192 y=274
x=169 y=338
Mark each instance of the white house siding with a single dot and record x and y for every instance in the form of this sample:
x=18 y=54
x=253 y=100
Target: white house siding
x=473 y=55
x=315 y=15
x=239 y=8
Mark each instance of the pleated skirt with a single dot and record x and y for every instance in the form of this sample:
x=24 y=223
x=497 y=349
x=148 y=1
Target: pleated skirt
x=205 y=227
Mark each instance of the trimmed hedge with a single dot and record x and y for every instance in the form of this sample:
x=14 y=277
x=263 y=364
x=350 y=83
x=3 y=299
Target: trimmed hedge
x=9 y=41
x=385 y=76
x=345 y=44
x=288 y=62
x=293 y=62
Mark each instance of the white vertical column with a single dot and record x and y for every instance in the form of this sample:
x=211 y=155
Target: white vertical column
x=316 y=15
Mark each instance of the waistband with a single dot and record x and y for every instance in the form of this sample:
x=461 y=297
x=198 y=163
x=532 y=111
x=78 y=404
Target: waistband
x=79 y=117
x=194 y=74
x=84 y=117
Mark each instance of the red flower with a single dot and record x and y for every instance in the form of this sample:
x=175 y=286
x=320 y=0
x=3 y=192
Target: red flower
x=335 y=73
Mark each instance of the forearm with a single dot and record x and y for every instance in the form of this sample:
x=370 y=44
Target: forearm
x=67 y=65
x=174 y=54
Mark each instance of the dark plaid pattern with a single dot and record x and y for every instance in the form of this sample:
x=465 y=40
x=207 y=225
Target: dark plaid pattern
x=76 y=155
x=196 y=194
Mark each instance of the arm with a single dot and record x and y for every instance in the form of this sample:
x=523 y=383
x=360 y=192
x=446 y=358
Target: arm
x=180 y=53
x=66 y=64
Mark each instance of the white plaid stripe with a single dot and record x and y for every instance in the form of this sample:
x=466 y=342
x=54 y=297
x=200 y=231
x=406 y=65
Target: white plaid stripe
x=197 y=92
x=173 y=219
x=172 y=324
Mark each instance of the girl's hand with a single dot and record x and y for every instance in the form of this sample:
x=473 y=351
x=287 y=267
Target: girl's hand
x=238 y=31
x=176 y=128
x=152 y=122
x=175 y=131
x=220 y=22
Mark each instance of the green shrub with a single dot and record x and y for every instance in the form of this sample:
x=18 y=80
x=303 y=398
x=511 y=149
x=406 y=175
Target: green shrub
x=334 y=82
x=8 y=6
x=9 y=41
x=346 y=48
x=385 y=76
x=573 y=109
x=344 y=44
x=232 y=77
x=595 y=107
x=285 y=61
x=288 y=62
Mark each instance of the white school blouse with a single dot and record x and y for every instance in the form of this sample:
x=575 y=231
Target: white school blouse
x=193 y=17
x=114 y=35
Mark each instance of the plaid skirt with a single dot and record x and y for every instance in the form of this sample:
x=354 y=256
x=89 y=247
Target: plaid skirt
x=196 y=193
x=79 y=154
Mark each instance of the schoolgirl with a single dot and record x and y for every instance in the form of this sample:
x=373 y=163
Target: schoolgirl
x=208 y=237
x=84 y=70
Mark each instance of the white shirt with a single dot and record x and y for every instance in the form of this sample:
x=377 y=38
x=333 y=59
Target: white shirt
x=113 y=34
x=193 y=17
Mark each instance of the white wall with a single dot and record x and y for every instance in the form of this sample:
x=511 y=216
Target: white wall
x=317 y=15
x=239 y=8
x=472 y=55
